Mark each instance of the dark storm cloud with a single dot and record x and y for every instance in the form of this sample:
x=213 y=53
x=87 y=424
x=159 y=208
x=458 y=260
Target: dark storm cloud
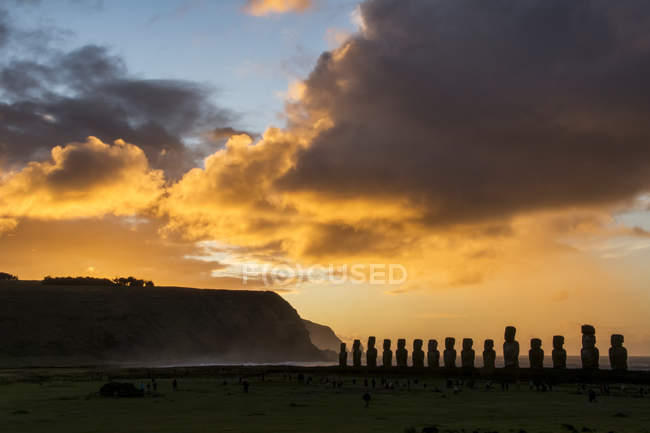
x=62 y=97
x=227 y=132
x=481 y=109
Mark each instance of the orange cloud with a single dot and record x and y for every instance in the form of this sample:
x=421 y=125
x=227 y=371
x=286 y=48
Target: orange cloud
x=81 y=180
x=266 y=7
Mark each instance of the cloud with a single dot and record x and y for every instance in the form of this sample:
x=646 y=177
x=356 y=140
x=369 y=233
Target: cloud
x=226 y=133
x=442 y=135
x=82 y=180
x=49 y=97
x=477 y=111
x=266 y=7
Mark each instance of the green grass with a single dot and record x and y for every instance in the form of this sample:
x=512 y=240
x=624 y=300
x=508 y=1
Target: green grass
x=279 y=405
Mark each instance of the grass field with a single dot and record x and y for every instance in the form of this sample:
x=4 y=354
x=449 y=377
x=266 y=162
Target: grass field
x=278 y=404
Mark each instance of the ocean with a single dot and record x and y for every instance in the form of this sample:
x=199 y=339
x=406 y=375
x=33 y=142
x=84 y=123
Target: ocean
x=634 y=362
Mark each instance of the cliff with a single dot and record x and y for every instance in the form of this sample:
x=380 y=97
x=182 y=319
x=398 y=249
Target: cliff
x=322 y=336
x=58 y=325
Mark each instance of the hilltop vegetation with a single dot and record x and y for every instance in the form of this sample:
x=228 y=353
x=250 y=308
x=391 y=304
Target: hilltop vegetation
x=92 y=281
x=4 y=276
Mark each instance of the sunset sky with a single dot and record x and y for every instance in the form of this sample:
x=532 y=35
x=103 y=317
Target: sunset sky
x=498 y=150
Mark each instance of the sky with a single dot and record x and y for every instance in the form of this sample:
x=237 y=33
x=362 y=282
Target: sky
x=495 y=155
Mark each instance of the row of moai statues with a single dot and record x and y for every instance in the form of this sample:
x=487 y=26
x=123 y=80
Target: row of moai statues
x=589 y=353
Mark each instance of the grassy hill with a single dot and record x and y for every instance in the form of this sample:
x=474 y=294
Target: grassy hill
x=59 y=325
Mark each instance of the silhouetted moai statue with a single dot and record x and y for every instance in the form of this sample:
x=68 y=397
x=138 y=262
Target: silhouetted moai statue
x=559 y=353
x=343 y=356
x=589 y=354
x=449 y=355
x=618 y=353
x=371 y=353
x=433 y=355
x=511 y=348
x=388 y=354
x=536 y=354
x=401 y=354
x=418 y=354
x=356 y=353
x=467 y=355
x=489 y=355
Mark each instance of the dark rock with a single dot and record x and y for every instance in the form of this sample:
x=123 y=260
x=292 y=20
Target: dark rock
x=117 y=389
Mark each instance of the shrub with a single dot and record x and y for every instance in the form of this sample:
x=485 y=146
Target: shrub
x=132 y=282
x=7 y=277
x=77 y=281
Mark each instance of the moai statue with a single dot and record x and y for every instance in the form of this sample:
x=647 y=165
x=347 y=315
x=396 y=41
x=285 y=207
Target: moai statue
x=371 y=353
x=449 y=355
x=418 y=354
x=589 y=354
x=559 y=353
x=433 y=355
x=489 y=355
x=511 y=348
x=618 y=353
x=343 y=356
x=401 y=354
x=536 y=354
x=467 y=355
x=388 y=354
x=356 y=353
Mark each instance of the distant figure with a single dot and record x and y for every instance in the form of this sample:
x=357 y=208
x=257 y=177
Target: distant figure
x=366 y=398
x=371 y=353
x=356 y=353
x=536 y=354
x=589 y=354
x=433 y=355
x=343 y=356
x=618 y=353
x=245 y=385
x=401 y=354
x=467 y=355
x=418 y=354
x=154 y=384
x=489 y=355
x=511 y=348
x=559 y=353
x=387 y=355
x=449 y=354
x=174 y=385
x=592 y=396
x=373 y=382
